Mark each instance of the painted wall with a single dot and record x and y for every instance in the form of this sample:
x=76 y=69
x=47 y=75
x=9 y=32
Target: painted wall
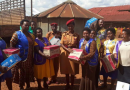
x=44 y=23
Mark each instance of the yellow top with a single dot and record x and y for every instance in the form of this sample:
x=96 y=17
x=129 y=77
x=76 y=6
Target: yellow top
x=111 y=46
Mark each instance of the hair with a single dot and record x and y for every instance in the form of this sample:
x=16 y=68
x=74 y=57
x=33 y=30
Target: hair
x=24 y=20
x=127 y=31
x=112 y=30
x=32 y=21
x=36 y=30
x=94 y=31
x=71 y=23
x=87 y=29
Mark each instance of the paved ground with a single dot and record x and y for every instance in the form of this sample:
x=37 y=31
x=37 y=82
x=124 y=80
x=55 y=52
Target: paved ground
x=61 y=79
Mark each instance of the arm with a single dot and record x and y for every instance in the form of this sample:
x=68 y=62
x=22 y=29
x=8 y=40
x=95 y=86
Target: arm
x=37 y=50
x=47 y=35
x=92 y=51
x=14 y=40
x=66 y=49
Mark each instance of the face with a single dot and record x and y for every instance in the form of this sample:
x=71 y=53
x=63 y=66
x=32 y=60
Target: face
x=86 y=34
x=33 y=25
x=71 y=27
x=93 y=34
x=54 y=28
x=39 y=33
x=100 y=23
x=110 y=35
x=25 y=26
x=125 y=37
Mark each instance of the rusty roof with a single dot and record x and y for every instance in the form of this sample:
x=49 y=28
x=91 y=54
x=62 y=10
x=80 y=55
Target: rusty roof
x=114 y=13
x=68 y=9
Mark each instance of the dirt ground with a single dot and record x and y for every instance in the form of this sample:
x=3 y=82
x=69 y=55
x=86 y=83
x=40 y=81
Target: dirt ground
x=61 y=80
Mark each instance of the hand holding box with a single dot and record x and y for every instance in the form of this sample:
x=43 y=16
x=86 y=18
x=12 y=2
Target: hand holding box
x=75 y=56
x=10 y=62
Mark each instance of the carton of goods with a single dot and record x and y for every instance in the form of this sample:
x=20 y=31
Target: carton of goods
x=52 y=51
x=77 y=53
x=11 y=51
x=10 y=62
x=108 y=63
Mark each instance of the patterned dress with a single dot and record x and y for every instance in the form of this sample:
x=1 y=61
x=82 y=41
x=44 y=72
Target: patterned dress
x=24 y=70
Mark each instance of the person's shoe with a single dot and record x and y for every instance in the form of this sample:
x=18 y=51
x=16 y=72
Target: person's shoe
x=99 y=81
x=67 y=87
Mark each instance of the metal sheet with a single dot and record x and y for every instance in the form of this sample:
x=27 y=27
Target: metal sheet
x=67 y=12
x=57 y=12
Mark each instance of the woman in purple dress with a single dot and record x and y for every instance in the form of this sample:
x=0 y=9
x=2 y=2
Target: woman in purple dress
x=43 y=66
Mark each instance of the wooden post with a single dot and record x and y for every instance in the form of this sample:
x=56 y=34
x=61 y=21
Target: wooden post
x=24 y=10
x=31 y=9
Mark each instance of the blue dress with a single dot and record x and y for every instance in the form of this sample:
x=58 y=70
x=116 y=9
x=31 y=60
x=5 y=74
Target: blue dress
x=7 y=74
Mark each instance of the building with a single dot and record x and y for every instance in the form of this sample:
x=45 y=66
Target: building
x=118 y=16
x=61 y=14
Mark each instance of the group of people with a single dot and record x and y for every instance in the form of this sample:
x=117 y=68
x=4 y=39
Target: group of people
x=96 y=42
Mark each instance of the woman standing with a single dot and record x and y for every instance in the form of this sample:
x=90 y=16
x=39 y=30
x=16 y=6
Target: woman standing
x=124 y=58
x=69 y=40
x=108 y=49
x=8 y=75
x=93 y=35
x=43 y=67
x=25 y=41
x=88 y=81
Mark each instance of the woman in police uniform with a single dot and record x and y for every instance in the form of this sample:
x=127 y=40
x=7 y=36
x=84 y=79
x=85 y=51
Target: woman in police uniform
x=69 y=40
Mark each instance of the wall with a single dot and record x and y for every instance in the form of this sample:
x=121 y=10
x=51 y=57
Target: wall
x=44 y=23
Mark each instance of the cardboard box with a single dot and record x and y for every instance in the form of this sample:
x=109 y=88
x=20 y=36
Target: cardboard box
x=108 y=63
x=122 y=86
x=10 y=62
x=55 y=41
x=52 y=51
x=77 y=53
x=11 y=51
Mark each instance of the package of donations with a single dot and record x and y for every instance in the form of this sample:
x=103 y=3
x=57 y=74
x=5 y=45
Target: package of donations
x=52 y=51
x=10 y=62
x=108 y=63
x=77 y=53
x=11 y=51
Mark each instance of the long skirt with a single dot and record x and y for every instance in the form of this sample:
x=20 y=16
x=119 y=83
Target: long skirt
x=88 y=80
x=66 y=65
x=44 y=70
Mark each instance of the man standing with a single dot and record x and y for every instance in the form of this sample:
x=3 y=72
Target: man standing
x=49 y=36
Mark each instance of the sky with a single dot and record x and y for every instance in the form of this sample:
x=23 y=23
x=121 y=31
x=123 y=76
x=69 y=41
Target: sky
x=42 y=5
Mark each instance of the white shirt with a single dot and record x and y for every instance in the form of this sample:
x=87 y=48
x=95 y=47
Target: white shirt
x=124 y=53
x=107 y=46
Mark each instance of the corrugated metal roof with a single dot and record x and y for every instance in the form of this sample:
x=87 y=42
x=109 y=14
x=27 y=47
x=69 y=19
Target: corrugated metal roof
x=114 y=13
x=68 y=9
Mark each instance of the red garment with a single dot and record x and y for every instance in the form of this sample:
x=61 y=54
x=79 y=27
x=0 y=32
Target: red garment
x=69 y=21
x=54 y=24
